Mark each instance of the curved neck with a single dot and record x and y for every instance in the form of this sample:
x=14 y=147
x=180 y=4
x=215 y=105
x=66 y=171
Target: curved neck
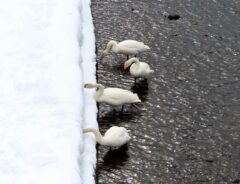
x=111 y=46
x=99 y=92
x=97 y=134
x=135 y=61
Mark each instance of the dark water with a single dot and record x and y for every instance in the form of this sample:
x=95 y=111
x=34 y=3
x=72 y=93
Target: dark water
x=189 y=132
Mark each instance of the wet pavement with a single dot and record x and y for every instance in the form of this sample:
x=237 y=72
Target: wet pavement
x=189 y=132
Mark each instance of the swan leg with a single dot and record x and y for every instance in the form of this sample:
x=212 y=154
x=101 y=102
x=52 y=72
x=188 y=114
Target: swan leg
x=112 y=148
x=127 y=57
x=122 y=108
x=135 y=81
x=113 y=111
x=98 y=110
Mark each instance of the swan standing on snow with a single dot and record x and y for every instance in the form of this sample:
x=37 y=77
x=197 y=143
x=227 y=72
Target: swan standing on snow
x=125 y=47
x=113 y=96
x=137 y=68
x=114 y=136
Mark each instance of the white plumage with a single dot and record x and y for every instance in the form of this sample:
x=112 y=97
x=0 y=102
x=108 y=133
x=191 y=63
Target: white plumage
x=128 y=47
x=113 y=96
x=114 y=137
x=137 y=68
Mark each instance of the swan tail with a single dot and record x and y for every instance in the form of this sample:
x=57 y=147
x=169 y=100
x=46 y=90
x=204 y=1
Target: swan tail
x=137 y=100
x=151 y=71
x=147 y=47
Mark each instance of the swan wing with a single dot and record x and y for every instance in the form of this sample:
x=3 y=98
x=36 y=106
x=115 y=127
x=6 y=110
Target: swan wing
x=142 y=70
x=117 y=96
x=117 y=136
x=130 y=43
x=146 y=68
x=132 y=46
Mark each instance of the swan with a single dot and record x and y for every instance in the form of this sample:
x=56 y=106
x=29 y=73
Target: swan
x=113 y=137
x=125 y=47
x=113 y=96
x=137 y=68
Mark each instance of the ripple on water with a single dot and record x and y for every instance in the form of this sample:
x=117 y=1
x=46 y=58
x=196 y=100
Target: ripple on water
x=189 y=132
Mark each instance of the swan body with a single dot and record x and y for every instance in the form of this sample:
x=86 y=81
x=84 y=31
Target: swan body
x=114 y=136
x=128 y=47
x=113 y=96
x=137 y=68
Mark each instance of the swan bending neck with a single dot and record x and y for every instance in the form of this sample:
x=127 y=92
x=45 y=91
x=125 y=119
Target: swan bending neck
x=97 y=134
x=134 y=60
x=111 y=46
x=99 y=92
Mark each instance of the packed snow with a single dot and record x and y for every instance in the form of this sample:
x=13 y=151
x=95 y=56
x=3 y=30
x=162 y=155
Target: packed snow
x=47 y=53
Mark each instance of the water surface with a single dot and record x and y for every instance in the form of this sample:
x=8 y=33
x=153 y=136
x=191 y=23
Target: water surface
x=189 y=132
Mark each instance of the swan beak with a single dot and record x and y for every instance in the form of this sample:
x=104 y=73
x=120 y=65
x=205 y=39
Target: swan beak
x=103 y=55
x=85 y=86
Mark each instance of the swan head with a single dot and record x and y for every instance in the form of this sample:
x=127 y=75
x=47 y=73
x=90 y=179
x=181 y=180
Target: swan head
x=130 y=61
x=90 y=85
x=109 y=47
x=87 y=85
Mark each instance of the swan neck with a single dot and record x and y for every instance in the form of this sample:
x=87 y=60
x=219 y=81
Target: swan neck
x=135 y=61
x=99 y=92
x=97 y=134
x=111 y=46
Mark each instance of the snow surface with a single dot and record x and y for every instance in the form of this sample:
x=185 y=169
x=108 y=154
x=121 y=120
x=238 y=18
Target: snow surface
x=47 y=52
x=88 y=156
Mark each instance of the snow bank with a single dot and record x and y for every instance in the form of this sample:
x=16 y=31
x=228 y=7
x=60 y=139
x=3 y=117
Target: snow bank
x=88 y=156
x=42 y=103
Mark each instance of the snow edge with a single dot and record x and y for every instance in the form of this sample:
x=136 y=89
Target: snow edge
x=88 y=66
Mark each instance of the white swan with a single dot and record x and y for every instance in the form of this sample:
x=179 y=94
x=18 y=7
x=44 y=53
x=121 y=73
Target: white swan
x=114 y=136
x=125 y=47
x=137 y=68
x=113 y=96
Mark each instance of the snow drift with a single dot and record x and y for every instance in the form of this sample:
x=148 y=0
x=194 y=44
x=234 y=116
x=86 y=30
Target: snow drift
x=43 y=108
